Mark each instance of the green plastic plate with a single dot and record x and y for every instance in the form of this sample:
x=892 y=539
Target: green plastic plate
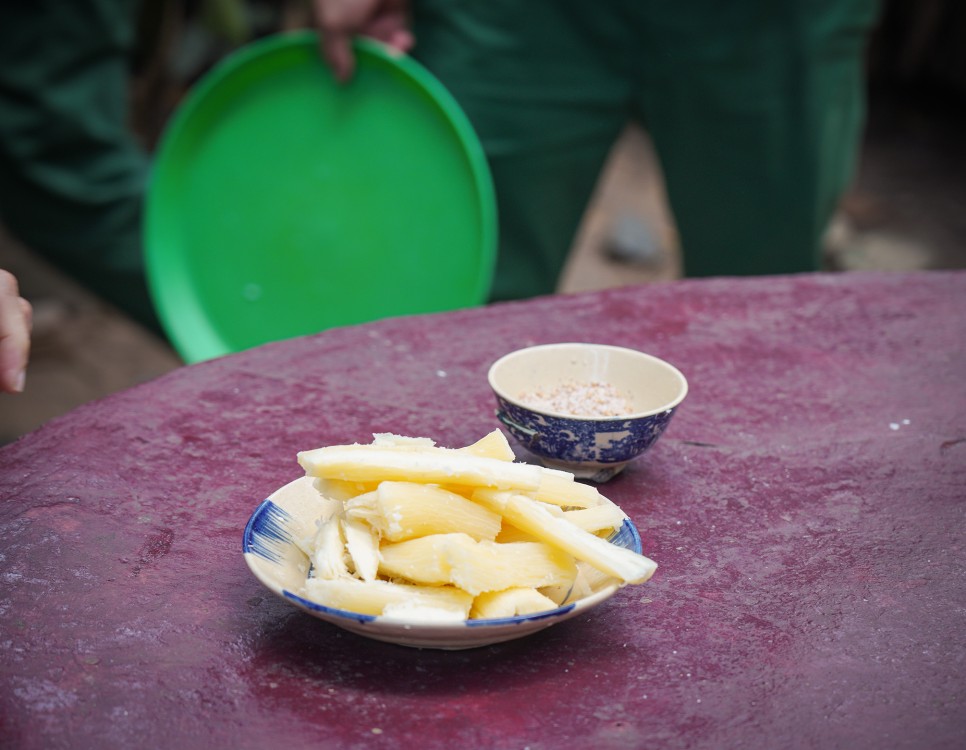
x=282 y=203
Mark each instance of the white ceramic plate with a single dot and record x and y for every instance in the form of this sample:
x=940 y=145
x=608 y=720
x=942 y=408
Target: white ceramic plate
x=290 y=513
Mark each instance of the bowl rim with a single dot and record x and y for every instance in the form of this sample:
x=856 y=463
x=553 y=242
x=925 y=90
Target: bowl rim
x=670 y=405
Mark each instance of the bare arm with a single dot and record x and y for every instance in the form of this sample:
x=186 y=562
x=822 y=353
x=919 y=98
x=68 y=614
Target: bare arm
x=15 y=321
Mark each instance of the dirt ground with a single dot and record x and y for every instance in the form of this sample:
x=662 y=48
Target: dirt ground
x=904 y=213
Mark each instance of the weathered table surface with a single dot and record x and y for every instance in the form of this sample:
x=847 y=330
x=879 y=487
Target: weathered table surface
x=806 y=508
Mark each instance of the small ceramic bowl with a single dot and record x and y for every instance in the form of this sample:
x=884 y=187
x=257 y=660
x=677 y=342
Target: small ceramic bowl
x=551 y=400
x=278 y=562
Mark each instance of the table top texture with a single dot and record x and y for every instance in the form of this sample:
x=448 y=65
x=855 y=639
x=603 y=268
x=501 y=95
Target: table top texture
x=806 y=508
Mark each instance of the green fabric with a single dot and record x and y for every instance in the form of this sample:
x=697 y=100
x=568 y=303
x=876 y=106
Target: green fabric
x=755 y=108
x=72 y=178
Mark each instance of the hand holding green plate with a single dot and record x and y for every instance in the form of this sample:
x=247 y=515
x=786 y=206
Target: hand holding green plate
x=283 y=203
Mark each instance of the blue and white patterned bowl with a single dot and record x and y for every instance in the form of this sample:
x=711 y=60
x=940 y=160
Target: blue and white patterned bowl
x=276 y=560
x=594 y=448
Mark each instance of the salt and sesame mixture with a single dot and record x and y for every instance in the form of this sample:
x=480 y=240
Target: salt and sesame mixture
x=580 y=399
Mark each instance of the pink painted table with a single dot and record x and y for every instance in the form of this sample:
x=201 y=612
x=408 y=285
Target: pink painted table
x=806 y=507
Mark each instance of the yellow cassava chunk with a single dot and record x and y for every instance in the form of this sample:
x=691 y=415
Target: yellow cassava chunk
x=490 y=566
x=510 y=533
x=362 y=544
x=403 y=510
x=590 y=579
x=528 y=515
x=564 y=592
x=340 y=490
x=445 y=466
x=372 y=597
x=328 y=550
x=436 y=466
x=421 y=560
x=510 y=603
x=559 y=488
x=418 y=532
x=476 y=566
x=493 y=445
x=556 y=489
x=401 y=441
x=604 y=517
x=423 y=613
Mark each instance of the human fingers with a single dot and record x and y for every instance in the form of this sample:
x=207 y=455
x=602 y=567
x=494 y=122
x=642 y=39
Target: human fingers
x=391 y=26
x=337 y=53
x=339 y=21
x=15 y=322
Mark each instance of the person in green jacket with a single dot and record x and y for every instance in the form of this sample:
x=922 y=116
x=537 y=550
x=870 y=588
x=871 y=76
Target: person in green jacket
x=755 y=109
x=72 y=175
